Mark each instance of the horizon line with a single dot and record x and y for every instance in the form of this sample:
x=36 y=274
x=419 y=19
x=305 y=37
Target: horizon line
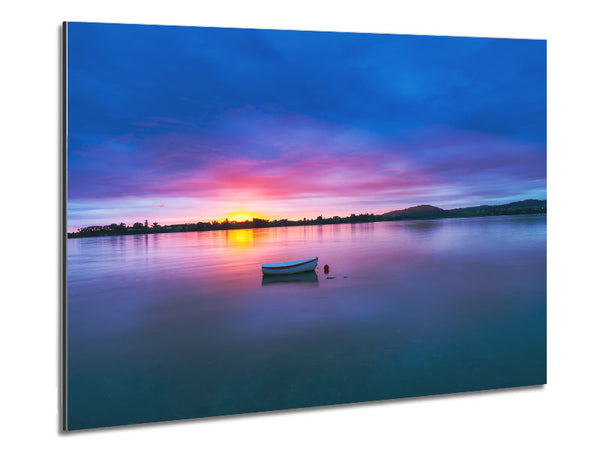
x=306 y=219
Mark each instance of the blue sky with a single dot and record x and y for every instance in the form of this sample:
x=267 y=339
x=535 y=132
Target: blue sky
x=182 y=124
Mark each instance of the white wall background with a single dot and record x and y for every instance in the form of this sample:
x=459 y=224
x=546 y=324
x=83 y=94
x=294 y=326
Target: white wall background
x=563 y=413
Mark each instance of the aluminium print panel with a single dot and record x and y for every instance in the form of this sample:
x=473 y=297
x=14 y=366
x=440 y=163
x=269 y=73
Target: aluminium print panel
x=260 y=220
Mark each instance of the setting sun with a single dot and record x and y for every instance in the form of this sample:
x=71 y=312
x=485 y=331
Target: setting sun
x=242 y=216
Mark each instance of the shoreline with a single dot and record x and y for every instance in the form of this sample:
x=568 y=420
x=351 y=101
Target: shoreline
x=331 y=221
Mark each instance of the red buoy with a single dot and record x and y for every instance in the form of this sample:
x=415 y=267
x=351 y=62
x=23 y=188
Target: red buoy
x=326 y=268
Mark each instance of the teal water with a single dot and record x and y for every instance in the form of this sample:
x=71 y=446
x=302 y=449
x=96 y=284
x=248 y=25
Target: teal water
x=182 y=325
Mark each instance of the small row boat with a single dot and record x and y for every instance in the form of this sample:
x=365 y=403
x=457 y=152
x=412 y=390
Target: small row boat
x=286 y=268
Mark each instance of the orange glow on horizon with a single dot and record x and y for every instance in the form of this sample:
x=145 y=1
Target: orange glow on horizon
x=242 y=216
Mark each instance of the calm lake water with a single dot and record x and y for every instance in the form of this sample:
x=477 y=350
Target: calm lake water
x=173 y=326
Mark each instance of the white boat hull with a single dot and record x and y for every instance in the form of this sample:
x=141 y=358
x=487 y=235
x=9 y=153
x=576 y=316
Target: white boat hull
x=289 y=267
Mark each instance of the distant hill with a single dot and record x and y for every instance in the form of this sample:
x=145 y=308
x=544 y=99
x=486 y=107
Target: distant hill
x=432 y=212
x=522 y=207
x=413 y=210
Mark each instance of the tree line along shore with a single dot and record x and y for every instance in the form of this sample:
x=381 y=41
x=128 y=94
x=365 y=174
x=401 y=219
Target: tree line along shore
x=421 y=212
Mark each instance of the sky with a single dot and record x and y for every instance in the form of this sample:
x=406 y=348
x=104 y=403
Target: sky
x=186 y=124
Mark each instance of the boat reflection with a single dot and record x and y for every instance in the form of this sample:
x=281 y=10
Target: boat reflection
x=307 y=278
